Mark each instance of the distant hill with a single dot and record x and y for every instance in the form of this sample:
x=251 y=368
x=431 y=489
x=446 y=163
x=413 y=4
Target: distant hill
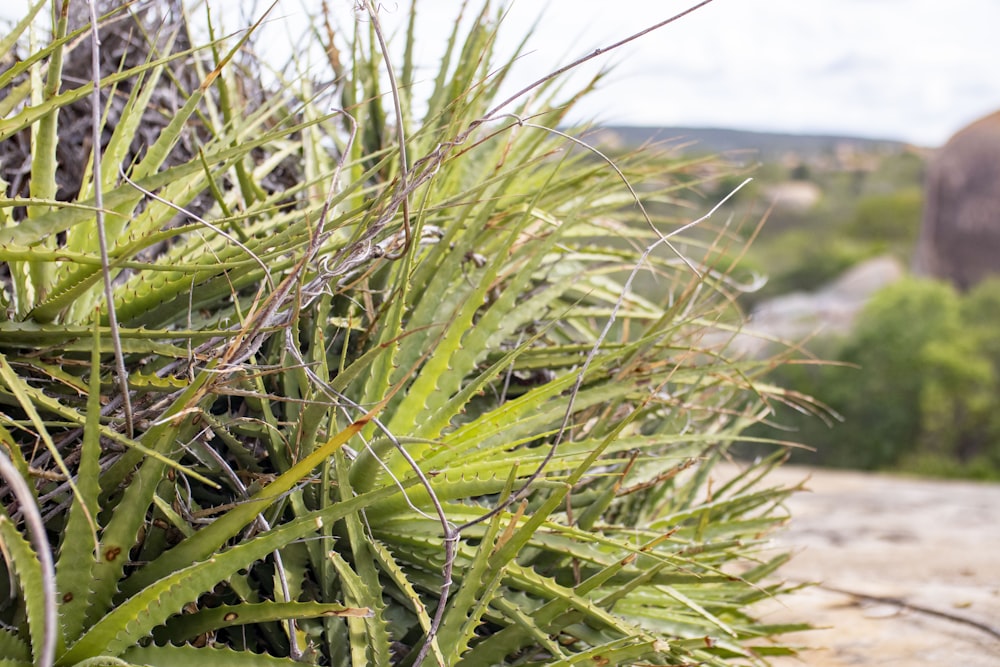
x=765 y=146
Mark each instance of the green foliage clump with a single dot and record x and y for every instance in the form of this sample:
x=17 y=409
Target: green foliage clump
x=890 y=221
x=916 y=384
x=364 y=386
x=892 y=346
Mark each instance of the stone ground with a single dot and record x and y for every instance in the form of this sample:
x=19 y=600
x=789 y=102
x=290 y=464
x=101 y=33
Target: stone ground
x=909 y=570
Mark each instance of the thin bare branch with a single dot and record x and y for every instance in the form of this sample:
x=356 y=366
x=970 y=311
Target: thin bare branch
x=102 y=238
x=404 y=166
x=492 y=113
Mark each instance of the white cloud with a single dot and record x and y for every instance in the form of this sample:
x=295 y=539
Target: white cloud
x=910 y=69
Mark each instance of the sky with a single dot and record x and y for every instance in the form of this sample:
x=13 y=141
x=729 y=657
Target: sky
x=914 y=70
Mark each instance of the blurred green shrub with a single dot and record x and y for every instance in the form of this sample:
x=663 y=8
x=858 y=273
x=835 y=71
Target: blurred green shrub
x=916 y=384
x=892 y=219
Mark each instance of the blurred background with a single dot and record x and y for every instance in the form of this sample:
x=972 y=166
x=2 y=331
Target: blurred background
x=912 y=70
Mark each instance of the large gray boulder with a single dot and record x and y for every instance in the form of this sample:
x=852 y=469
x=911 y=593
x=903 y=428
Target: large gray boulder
x=960 y=237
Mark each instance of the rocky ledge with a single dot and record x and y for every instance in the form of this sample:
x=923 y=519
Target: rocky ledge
x=907 y=571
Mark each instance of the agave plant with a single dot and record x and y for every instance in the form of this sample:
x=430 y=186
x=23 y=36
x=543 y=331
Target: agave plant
x=361 y=387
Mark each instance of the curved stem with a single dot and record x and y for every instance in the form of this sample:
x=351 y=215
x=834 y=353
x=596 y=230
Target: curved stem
x=33 y=519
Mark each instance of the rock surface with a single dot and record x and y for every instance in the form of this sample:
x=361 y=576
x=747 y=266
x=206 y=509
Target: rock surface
x=830 y=311
x=799 y=196
x=909 y=570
